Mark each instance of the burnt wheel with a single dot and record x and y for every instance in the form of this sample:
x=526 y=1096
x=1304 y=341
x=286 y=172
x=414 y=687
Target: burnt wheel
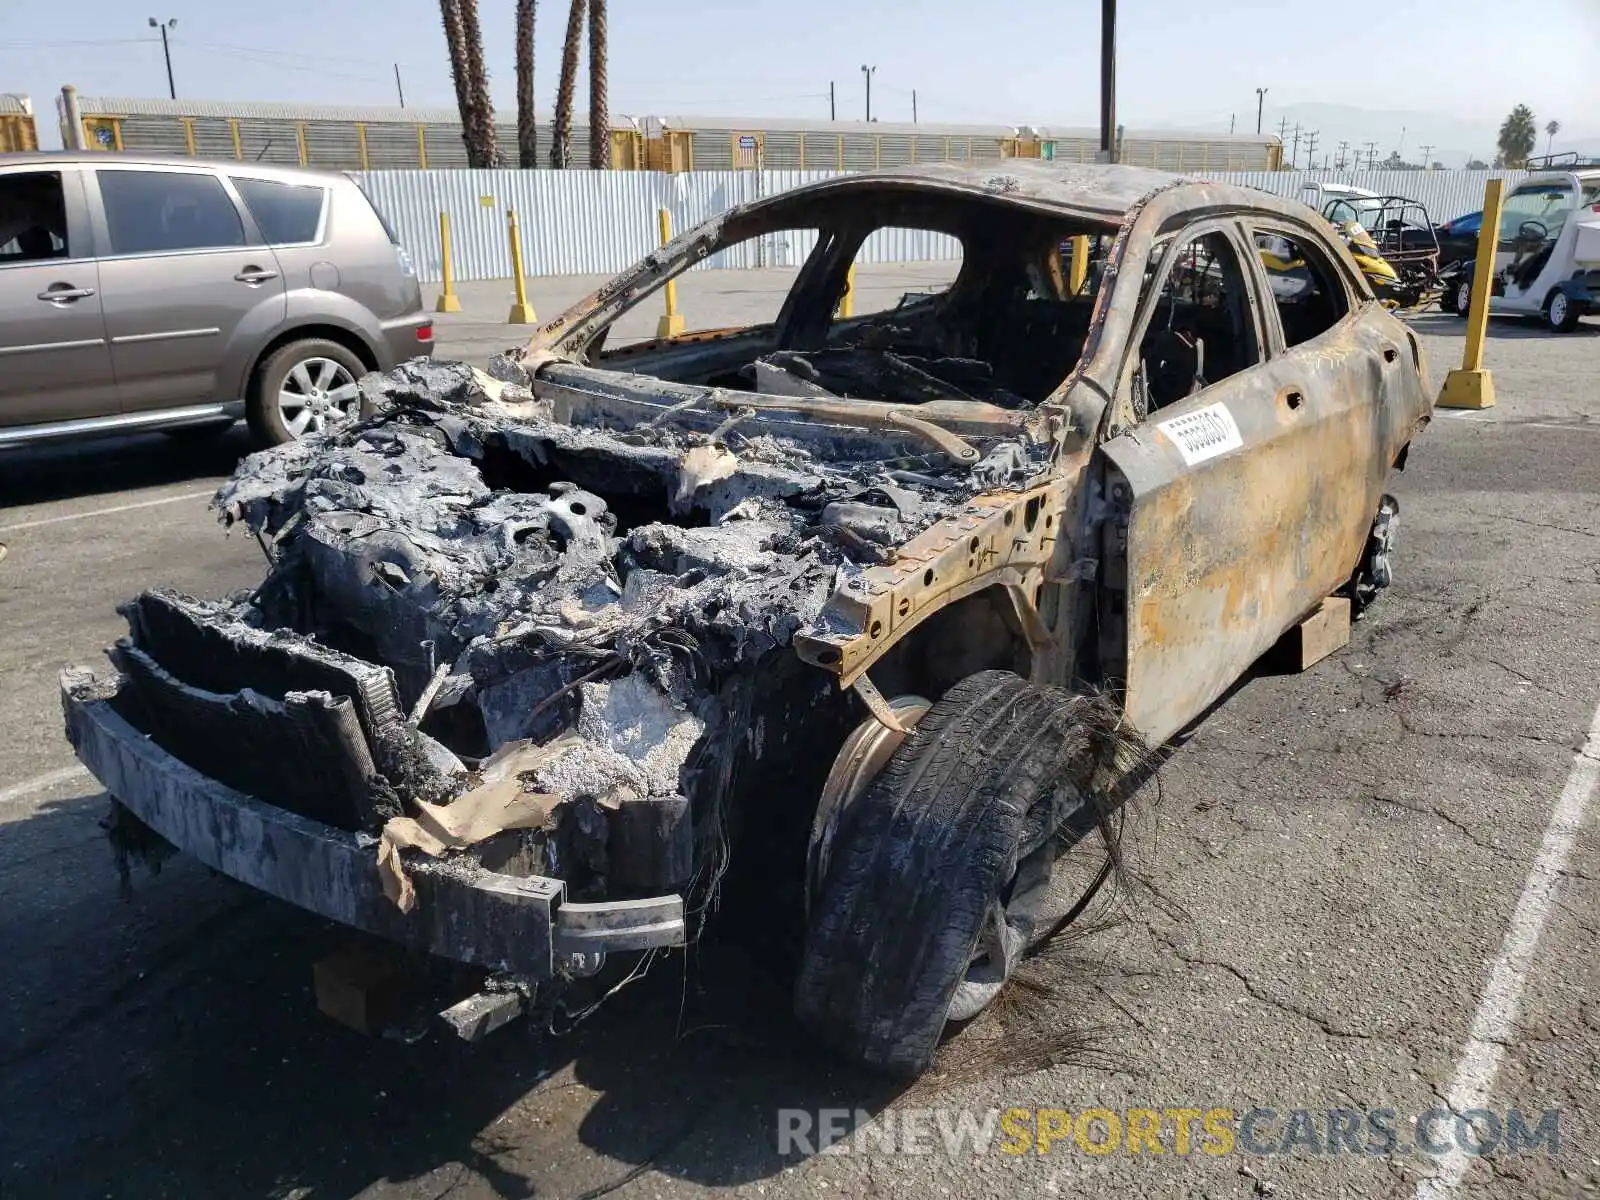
x=925 y=882
x=1374 y=572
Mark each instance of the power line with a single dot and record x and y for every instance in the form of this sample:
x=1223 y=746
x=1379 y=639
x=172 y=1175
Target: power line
x=262 y=51
x=283 y=64
x=77 y=42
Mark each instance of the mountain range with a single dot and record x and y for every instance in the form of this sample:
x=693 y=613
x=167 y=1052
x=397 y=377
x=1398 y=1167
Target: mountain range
x=1451 y=140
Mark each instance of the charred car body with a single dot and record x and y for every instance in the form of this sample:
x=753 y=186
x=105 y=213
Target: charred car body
x=857 y=611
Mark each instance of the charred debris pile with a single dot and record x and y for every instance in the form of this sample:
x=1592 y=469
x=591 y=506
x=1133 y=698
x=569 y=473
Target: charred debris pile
x=502 y=586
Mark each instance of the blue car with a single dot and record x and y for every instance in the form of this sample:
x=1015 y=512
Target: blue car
x=1458 y=239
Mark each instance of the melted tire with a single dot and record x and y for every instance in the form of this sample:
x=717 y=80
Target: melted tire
x=920 y=860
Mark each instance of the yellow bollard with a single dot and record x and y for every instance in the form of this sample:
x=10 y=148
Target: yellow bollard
x=448 y=300
x=521 y=311
x=671 y=323
x=847 y=302
x=1470 y=385
x=1080 y=264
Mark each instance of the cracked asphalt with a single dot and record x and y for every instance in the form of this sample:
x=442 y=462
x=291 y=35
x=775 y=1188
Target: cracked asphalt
x=1315 y=883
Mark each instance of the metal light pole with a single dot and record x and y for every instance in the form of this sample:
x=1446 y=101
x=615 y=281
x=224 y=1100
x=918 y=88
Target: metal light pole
x=1108 y=80
x=166 y=50
x=868 y=72
x=1261 y=98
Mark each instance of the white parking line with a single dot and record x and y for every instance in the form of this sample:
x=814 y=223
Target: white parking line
x=105 y=512
x=1492 y=1024
x=41 y=783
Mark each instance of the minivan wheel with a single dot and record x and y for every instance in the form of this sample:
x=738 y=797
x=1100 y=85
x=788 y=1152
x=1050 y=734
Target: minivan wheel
x=303 y=388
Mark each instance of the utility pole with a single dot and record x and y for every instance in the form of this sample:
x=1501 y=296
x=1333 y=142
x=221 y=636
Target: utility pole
x=1372 y=155
x=913 y=106
x=1427 y=156
x=1340 y=161
x=868 y=72
x=1311 y=149
x=1231 y=118
x=1283 y=129
x=397 y=86
x=166 y=50
x=833 y=108
x=1261 y=97
x=1294 y=155
x=1108 y=80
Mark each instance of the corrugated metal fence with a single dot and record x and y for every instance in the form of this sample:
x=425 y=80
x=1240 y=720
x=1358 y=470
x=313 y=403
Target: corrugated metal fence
x=1447 y=194
x=599 y=222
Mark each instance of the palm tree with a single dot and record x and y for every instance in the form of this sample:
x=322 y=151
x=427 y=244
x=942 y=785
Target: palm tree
x=1551 y=128
x=1518 y=133
x=599 y=118
x=465 y=40
x=527 y=116
x=455 y=41
x=481 y=149
x=561 y=132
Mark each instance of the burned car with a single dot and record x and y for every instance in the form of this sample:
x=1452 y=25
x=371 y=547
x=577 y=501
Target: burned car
x=843 y=621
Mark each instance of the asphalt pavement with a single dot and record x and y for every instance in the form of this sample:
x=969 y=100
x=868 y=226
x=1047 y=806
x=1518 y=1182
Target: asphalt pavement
x=1328 y=898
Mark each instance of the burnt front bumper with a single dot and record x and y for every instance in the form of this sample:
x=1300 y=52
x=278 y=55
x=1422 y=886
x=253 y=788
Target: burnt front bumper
x=519 y=924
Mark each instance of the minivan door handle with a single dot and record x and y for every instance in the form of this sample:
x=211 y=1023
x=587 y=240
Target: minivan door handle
x=64 y=293
x=254 y=275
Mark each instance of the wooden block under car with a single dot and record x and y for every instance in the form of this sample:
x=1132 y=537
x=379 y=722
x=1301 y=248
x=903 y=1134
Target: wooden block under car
x=1327 y=629
x=360 y=987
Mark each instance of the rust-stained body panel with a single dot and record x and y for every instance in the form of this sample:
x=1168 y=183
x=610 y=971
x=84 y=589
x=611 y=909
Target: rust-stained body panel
x=1236 y=510
x=1225 y=555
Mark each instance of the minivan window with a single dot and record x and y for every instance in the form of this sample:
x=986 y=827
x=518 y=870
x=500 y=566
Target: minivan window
x=378 y=212
x=33 y=217
x=288 y=213
x=154 y=211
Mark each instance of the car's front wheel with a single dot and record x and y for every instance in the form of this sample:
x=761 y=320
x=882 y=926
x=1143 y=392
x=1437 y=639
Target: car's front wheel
x=932 y=876
x=302 y=388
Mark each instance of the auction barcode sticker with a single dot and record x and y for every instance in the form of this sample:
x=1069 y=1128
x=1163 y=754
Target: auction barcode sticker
x=1204 y=433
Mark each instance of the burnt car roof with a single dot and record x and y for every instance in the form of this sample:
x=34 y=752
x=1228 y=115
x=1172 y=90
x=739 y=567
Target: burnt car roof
x=1101 y=192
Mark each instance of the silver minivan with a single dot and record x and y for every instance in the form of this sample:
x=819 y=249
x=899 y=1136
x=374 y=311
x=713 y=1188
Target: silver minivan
x=158 y=293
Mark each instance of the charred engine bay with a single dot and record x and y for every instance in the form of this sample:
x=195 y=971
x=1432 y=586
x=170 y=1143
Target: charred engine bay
x=607 y=564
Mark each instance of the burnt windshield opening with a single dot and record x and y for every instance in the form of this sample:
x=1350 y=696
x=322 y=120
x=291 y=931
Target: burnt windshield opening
x=996 y=310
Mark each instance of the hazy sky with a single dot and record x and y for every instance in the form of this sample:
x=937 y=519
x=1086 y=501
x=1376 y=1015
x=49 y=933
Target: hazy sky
x=1183 y=62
